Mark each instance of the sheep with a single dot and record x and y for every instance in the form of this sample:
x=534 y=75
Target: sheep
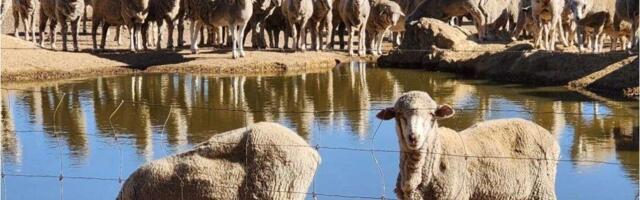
x=408 y=6
x=23 y=10
x=69 y=11
x=46 y=13
x=444 y=9
x=87 y=3
x=547 y=14
x=354 y=14
x=621 y=35
x=627 y=10
x=261 y=11
x=217 y=13
x=384 y=15
x=107 y=13
x=338 y=27
x=262 y=161
x=321 y=19
x=298 y=13
x=159 y=11
x=275 y=24
x=440 y=163
x=134 y=13
x=596 y=14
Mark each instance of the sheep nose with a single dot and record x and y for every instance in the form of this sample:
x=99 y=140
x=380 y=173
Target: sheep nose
x=412 y=138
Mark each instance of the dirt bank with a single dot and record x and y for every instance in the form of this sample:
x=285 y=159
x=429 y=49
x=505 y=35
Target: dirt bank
x=611 y=74
x=23 y=61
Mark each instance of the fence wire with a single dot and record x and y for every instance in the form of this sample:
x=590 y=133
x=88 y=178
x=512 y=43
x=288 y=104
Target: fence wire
x=314 y=194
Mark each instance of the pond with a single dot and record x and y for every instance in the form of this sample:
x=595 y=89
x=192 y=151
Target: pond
x=96 y=131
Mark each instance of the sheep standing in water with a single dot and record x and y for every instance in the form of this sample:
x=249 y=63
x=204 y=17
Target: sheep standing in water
x=482 y=170
x=261 y=161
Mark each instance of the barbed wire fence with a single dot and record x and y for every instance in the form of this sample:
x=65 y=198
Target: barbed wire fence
x=313 y=193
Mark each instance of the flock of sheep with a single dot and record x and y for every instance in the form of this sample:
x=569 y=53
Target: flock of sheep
x=495 y=159
x=572 y=21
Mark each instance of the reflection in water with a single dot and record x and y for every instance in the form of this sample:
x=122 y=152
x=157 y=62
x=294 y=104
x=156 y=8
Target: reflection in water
x=178 y=111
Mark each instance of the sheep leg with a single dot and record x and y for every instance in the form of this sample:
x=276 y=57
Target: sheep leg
x=105 y=30
x=16 y=22
x=241 y=42
x=41 y=26
x=159 y=32
x=314 y=37
x=379 y=43
x=557 y=25
x=351 y=34
x=32 y=26
x=170 y=27
x=52 y=32
x=64 y=31
x=132 y=35
x=145 y=35
x=180 y=32
x=341 y=29
x=329 y=26
x=25 y=24
x=581 y=36
x=371 y=42
x=84 y=20
x=303 y=34
x=234 y=38
x=195 y=37
x=478 y=18
x=362 y=50
x=74 y=33
x=294 y=36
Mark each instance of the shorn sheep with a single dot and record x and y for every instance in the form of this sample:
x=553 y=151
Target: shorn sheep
x=261 y=161
x=439 y=163
x=354 y=14
x=23 y=10
x=218 y=13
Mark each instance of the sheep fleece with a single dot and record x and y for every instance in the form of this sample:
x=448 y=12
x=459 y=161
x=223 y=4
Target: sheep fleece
x=239 y=164
x=495 y=177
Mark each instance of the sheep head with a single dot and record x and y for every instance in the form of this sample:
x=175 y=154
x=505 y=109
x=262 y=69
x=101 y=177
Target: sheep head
x=580 y=8
x=416 y=115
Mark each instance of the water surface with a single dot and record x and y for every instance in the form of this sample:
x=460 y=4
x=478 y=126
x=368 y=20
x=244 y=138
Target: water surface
x=162 y=114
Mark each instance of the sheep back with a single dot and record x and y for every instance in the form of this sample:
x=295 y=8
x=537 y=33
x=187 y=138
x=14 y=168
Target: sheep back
x=261 y=161
x=507 y=159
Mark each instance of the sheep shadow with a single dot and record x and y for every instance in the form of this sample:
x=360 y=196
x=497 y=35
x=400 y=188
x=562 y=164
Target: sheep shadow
x=143 y=59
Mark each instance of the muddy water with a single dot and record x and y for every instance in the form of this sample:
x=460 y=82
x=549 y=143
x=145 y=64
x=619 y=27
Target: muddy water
x=332 y=109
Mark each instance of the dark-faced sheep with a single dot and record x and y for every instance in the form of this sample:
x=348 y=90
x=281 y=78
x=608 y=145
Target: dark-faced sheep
x=275 y=24
x=547 y=14
x=440 y=163
x=384 y=15
x=298 y=13
x=234 y=14
x=354 y=14
x=261 y=161
x=23 y=11
x=69 y=11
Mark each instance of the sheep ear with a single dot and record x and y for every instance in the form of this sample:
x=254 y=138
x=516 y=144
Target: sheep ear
x=387 y=114
x=444 y=111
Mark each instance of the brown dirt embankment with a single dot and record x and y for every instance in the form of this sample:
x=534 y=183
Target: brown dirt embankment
x=432 y=44
x=24 y=61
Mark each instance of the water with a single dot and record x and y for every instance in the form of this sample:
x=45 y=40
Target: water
x=86 y=148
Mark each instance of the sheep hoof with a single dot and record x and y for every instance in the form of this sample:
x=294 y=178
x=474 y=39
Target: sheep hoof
x=194 y=51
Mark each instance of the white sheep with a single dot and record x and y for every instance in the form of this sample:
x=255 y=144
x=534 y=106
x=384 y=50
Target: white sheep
x=594 y=14
x=476 y=163
x=261 y=161
x=384 y=15
x=234 y=14
x=298 y=13
x=354 y=14
x=547 y=14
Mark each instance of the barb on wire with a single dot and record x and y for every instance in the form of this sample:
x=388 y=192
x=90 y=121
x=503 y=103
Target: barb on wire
x=115 y=138
x=59 y=146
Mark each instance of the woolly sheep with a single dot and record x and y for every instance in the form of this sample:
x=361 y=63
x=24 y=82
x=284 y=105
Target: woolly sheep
x=261 y=161
x=408 y=6
x=161 y=11
x=627 y=10
x=134 y=13
x=384 y=14
x=217 y=13
x=321 y=19
x=46 y=13
x=298 y=13
x=548 y=15
x=354 y=14
x=23 y=10
x=444 y=9
x=428 y=171
x=595 y=14
x=69 y=11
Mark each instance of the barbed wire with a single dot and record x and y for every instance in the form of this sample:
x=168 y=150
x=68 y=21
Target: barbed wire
x=317 y=147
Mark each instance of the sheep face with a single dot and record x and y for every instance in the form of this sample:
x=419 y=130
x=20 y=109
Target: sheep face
x=416 y=117
x=580 y=8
